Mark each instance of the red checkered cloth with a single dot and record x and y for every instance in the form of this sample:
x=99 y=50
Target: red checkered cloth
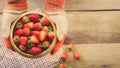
x=10 y=59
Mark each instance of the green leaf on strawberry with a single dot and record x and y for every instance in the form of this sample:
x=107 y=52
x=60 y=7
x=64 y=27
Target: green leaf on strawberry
x=50 y=28
x=29 y=45
x=19 y=25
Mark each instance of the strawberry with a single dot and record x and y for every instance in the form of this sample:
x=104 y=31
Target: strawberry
x=29 y=45
x=64 y=56
x=34 y=39
x=26 y=31
x=61 y=65
x=16 y=39
x=36 y=33
x=36 y=50
x=28 y=25
x=37 y=26
x=45 y=28
x=39 y=45
x=45 y=21
x=18 y=32
x=22 y=47
x=19 y=25
x=34 y=17
x=25 y=19
x=42 y=35
x=45 y=45
x=70 y=46
x=51 y=35
x=23 y=40
x=76 y=55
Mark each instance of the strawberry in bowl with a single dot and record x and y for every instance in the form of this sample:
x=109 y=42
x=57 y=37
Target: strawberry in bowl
x=33 y=34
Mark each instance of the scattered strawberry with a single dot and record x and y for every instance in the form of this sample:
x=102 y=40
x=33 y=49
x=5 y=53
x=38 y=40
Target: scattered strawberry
x=45 y=28
x=76 y=55
x=70 y=46
x=45 y=21
x=45 y=45
x=36 y=50
x=61 y=65
x=19 y=32
x=36 y=33
x=42 y=35
x=26 y=31
x=22 y=47
x=19 y=25
x=51 y=35
x=25 y=19
x=17 y=39
x=64 y=56
x=23 y=40
x=34 y=17
x=28 y=25
x=37 y=26
x=34 y=39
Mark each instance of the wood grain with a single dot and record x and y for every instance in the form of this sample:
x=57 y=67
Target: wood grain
x=95 y=56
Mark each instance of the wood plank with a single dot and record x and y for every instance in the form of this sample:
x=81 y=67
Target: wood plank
x=94 y=27
x=92 y=4
x=95 y=56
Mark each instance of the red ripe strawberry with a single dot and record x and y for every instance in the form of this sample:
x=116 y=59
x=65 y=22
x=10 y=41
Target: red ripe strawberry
x=26 y=31
x=19 y=25
x=37 y=26
x=64 y=56
x=76 y=55
x=28 y=25
x=36 y=33
x=39 y=45
x=34 y=39
x=45 y=21
x=42 y=35
x=51 y=35
x=61 y=66
x=36 y=50
x=23 y=40
x=16 y=39
x=25 y=19
x=45 y=44
x=18 y=32
x=22 y=47
x=34 y=17
x=45 y=28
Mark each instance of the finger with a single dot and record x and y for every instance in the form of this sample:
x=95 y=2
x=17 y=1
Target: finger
x=58 y=45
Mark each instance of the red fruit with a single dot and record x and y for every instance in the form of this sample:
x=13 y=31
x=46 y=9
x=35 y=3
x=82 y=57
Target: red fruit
x=62 y=66
x=45 y=28
x=39 y=45
x=28 y=25
x=26 y=31
x=42 y=35
x=16 y=39
x=45 y=44
x=23 y=40
x=45 y=21
x=33 y=17
x=36 y=50
x=25 y=19
x=70 y=46
x=76 y=55
x=19 y=25
x=18 y=32
x=37 y=26
x=64 y=56
x=51 y=35
x=36 y=33
x=22 y=47
x=34 y=39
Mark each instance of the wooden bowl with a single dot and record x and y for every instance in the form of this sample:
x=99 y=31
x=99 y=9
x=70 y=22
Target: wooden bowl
x=47 y=51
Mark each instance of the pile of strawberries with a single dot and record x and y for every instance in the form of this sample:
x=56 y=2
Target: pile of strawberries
x=33 y=34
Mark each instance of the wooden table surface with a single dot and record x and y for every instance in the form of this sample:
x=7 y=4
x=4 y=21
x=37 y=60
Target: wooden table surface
x=94 y=27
